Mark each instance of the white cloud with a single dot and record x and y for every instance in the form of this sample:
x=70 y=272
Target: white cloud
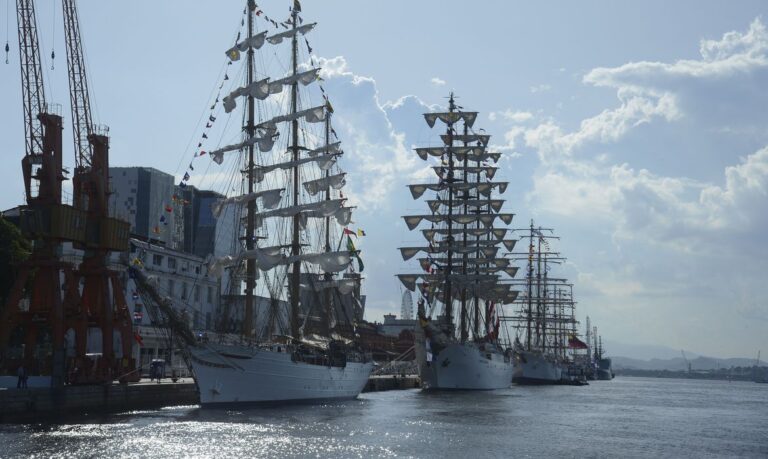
x=437 y=81
x=510 y=115
x=539 y=88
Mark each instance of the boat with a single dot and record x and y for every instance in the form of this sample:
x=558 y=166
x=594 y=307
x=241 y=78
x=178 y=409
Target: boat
x=604 y=364
x=541 y=323
x=460 y=279
x=291 y=221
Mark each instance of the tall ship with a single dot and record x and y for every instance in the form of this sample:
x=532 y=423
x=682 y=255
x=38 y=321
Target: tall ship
x=462 y=283
x=542 y=324
x=290 y=223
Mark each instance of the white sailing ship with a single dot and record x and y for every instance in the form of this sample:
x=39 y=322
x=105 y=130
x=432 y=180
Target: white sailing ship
x=463 y=270
x=292 y=213
x=541 y=320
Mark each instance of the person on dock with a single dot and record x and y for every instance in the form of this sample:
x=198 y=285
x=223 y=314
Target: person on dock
x=22 y=374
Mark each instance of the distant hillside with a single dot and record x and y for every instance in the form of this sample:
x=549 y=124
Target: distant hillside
x=678 y=364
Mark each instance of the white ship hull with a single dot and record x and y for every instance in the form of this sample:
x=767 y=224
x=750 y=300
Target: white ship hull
x=463 y=366
x=536 y=368
x=239 y=374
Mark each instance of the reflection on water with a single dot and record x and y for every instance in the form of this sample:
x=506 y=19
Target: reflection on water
x=621 y=418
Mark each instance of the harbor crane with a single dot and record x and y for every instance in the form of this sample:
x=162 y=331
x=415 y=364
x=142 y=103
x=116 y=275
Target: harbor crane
x=53 y=309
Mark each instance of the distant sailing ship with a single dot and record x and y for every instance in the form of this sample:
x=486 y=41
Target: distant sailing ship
x=463 y=267
x=543 y=327
x=292 y=211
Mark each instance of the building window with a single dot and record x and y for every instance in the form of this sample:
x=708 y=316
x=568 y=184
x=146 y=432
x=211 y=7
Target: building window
x=197 y=319
x=184 y=266
x=207 y=320
x=183 y=290
x=171 y=263
x=170 y=287
x=157 y=260
x=196 y=292
x=197 y=269
x=210 y=294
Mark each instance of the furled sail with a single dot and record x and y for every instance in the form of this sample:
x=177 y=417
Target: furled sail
x=325 y=149
x=269 y=199
x=462 y=219
x=255 y=41
x=311 y=115
x=495 y=204
x=487 y=251
x=279 y=37
x=472 y=152
x=265 y=142
x=344 y=286
x=323 y=162
x=322 y=184
x=489 y=171
x=483 y=188
x=482 y=138
x=496 y=233
x=451 y=117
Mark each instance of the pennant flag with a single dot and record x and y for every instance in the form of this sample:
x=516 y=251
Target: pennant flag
x=190 y=167
x=360 y=265
x=226 y=77
x=259 y=13
x=202 y=153
x=135 y=295
x=205 y=136
x=156 y=230
x=349 y=232
x=137 y=262
x=175 y=198
x=360 y=232
x=138 y=339
x=186 y=176
x=182 y=184
x=167 y=209
x=137 y=316
x=212 y=118
x=200 y=144
x=162 y=217
x=208 y=125
x=328 y=106
x=213 y=106
x=350 y=244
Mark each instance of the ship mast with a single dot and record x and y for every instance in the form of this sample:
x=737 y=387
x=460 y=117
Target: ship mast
x=250 y=266
x=327 y=276
x=295 y=244
x=449 y=238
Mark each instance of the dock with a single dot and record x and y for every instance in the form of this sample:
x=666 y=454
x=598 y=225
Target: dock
x=391 y=382
x=35 y=404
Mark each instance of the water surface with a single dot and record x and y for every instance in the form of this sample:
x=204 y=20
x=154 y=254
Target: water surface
x=626 y=417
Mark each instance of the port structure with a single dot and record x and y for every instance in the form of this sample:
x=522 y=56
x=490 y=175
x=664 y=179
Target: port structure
x=53 y=308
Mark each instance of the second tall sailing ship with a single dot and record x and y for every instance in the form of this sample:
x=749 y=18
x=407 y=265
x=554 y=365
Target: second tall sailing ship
x=288 y=247
x=460 y=349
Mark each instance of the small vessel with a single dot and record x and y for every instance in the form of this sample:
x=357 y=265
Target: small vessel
x=462 y=285
x=291 y=221
x=604 y=368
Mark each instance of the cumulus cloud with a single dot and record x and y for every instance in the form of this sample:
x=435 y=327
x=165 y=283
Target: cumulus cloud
x=673 y=183
x=437 y=81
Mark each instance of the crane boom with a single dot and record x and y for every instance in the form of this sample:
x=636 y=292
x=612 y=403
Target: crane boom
x=31 y=77
x=82 y=124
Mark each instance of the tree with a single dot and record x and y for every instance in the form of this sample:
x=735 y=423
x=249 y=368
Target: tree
x=14 y=249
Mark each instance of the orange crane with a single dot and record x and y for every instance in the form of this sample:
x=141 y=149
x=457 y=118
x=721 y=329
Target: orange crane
x=103 y=300
x=46 y=322
x=32 y=328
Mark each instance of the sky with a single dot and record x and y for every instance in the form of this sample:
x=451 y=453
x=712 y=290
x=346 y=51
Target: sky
x=636 y=129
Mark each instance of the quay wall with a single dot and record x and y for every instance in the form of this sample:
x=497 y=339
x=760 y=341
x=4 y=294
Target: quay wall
x=391 y=382
x=39 y=404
